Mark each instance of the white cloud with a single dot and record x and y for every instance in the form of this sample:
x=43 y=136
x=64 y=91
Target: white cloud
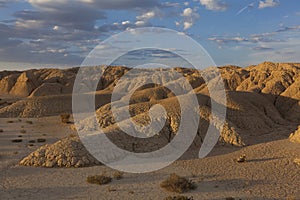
x=214 y=5
x=125 y=23
x=140 y=23
x=187 y=25
x=268 y=3
x=146 y=16
x=190 y=16
x=187 y=12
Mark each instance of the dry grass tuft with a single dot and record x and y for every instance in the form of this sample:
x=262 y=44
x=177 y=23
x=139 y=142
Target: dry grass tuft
x=118 y=175
x=17 y=141
x=65 y=118
x=41 y=140
x=99 y=179
x=22 y=131
x=230 y=198
x=178 y=198
x=177 y=184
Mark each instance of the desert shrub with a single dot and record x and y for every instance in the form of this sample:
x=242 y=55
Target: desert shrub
x=110 y=189
x=41 y=140
x=177 y=184
x=65 y=118
x=118 y=175
x=178 y=198
x=98 y=179
x=22 y=131
x=17 y=141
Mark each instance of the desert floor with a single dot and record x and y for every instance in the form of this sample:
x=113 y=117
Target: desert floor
x=269 y=172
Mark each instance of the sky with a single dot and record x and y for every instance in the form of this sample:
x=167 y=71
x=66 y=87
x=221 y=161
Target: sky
x=61 y=33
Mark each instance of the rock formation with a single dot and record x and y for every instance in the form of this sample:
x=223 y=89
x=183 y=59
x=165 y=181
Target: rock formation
x=68 y=152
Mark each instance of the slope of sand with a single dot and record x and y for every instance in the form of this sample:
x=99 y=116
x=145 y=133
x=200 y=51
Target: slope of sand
x=269 y=172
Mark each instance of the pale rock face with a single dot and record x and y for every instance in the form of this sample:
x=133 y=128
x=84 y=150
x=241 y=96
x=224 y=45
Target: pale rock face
x=24 y=85
x=47 y=89
x=7 y=83
x=295 y=137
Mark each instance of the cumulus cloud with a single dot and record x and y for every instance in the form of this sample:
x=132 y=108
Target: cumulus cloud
x=268 y=4
x=190 y=16
x=215 y=5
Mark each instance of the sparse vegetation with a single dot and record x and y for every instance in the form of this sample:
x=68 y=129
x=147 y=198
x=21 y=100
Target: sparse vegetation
x=65 y=118
x=178 y=198
x=230 y=198
x=118 y=175
x=177 y=184
x=17 y=141
x=110 y=189
x=41 y=140
x=99 y=179
x=22 y=131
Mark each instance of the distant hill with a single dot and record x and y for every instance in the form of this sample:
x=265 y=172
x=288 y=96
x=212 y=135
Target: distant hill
x=263 y=100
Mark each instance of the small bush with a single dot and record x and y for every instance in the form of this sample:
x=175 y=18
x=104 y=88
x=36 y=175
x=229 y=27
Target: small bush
x=177 y=184
x=29 y=122
x=118 y=175
x=22 y=131
x=110 y=189
x=17 y=141
x=178 y=198
x=99 y=179
x=131 y=192
x=65 y=118
x=40 y=140
x=10 y=122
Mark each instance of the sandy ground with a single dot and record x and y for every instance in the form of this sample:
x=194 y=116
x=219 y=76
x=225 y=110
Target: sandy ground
x=269 y=172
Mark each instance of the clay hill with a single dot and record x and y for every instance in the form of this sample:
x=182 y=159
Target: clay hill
x=263 y=102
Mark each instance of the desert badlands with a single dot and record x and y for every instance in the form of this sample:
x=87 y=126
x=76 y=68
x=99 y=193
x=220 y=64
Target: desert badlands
x=42 y=156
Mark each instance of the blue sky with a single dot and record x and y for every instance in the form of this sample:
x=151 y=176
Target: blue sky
x=43 y=33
